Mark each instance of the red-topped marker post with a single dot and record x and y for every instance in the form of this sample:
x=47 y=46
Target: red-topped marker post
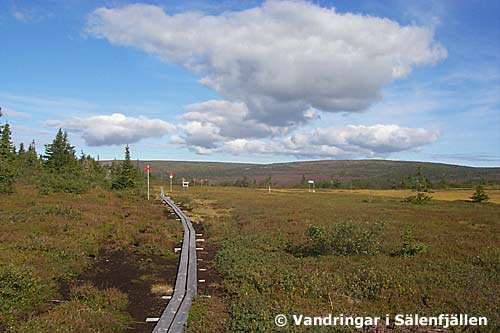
x=147 y=168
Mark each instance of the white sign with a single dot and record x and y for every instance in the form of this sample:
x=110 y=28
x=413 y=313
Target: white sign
x=311 y=182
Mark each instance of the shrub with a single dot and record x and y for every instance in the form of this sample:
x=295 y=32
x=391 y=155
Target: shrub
x=356 y=239
x=479 y=195
x=20 y=292
x=342 y=239
x=410 y=246
x=62 y=182
x=318 y=240
x=367 y=283
x=419 y=198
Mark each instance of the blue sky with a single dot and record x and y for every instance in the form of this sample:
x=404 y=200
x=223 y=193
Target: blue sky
x=399 y=80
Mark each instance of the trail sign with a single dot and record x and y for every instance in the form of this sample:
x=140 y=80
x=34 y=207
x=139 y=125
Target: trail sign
x=311 y=182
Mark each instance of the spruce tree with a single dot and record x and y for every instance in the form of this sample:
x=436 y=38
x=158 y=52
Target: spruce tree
x=60 y=154
x=21 y=150
x=127 y=167
x=7 y=161
x=31 y=156
x=420 y=185
x=125 y=174
x=479 y=195
x=7 y=149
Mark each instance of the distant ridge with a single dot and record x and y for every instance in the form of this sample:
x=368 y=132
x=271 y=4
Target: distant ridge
x=357 y=173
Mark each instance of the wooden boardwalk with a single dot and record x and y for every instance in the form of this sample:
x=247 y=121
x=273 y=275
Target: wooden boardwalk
x=175 y=315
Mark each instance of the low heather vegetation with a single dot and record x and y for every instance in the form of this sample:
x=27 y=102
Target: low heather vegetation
x=58 y=214
x=329 y=252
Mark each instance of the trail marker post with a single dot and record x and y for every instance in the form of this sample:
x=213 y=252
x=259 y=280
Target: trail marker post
x=147 y=168
x=171 y=176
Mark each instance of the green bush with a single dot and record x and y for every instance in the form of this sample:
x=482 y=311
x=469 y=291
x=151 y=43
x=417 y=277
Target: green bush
x=20 y=293
x=342 y=239
x=419 y=198
x=318 y=240
x=367 y=283
x=410 y=246
x=356 y=239
x=62 y=182
x=479 y=195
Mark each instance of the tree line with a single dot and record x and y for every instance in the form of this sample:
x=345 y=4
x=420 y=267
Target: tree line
x=59 y=169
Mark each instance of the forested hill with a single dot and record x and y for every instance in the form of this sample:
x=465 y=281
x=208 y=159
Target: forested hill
x=337 y=173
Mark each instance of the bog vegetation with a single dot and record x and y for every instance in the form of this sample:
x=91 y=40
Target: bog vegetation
x=291 y=252
x=58 y=212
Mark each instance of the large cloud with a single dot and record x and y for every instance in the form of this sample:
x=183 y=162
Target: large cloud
x=115 y=129
x=210 y=122
x=281 y=58
x=377 y=139
x=338 y=142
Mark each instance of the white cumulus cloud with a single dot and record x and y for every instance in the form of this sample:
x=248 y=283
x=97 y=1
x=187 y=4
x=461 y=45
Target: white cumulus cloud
x=338 y=142
x=280 y=59
x=378 y=139
x=210 y=122
x=115 y=129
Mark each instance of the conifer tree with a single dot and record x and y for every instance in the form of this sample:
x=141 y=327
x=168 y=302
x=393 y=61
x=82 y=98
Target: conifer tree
x=7 y=149
x=127 y=167
x=60 y=154
x=420 y=186
x=479 y=195
x=21 y=150
x=125 y=174
x=7 y=160
x=31 y=156
x=421 y=183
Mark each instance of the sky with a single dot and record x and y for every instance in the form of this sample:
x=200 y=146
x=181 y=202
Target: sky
x=256 y=81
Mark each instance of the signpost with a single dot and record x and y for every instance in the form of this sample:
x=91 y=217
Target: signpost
x=185 y=184
x=147 y=168
x=171 y=176
x=314 y=186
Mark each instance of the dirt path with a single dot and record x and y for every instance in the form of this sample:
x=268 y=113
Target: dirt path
x=134 y=275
